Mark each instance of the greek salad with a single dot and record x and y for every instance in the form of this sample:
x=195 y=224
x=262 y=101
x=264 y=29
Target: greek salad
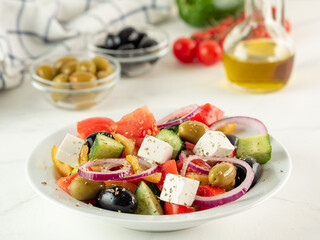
x=186 y=162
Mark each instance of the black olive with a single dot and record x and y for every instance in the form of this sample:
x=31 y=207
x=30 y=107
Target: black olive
x=112 y=41
x=241 y=174
x=147 y=42
x=118 y=199
x=125 y=34
x=233 y=139
x=256 y=167
x=90 y=139
x=127 y=46
x=137 y=38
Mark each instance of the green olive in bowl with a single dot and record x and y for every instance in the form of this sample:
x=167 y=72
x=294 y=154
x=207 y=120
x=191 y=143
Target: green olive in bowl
x=78 y=80
x=102 y=64
x=69 y=67
x=45 y=71
x=57 y=65
x=86 y=66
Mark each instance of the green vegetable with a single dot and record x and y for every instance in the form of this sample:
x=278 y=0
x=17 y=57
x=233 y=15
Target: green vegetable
x=147 y=201
x=258 y=147
x=202 y=13
x=74 y=170
x=105 y=147
x=173 y=139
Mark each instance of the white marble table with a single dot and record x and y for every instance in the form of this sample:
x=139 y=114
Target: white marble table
x=292 y=115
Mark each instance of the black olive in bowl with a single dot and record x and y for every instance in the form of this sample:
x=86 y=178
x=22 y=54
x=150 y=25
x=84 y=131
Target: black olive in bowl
x=139 y=50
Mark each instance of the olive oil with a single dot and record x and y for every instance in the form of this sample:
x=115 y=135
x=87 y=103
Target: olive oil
x=259 y=65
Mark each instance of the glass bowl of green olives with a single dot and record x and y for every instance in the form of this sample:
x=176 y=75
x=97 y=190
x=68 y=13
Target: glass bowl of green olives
x=76 y=80
x=138 y=49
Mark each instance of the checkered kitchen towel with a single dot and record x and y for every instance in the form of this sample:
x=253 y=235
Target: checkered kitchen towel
x=32 y=28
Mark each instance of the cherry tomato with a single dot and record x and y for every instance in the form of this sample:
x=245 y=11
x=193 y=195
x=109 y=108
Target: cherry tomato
x=214 y=30
x=199 y=36
x=287 y=25
x=228 y=21
x=185 y=49
x=209 y=52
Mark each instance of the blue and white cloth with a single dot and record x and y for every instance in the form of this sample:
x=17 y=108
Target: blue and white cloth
x=32 y=28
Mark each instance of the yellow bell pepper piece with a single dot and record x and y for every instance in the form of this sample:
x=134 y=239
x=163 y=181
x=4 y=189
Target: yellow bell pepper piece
x=227 y=129
x=62 y=168
x=154 y=178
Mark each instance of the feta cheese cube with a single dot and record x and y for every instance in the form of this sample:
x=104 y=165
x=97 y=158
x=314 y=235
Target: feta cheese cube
x=179 y=190
x=213 y=143
x=155 y=150
x=69 y=150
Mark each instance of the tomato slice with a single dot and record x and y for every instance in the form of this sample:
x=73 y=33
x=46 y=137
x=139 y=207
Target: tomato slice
x=208 y=114
x=171 y=208
x=64 y=182
x=137 y=125
x=189 y=146
x=96 y=124
x=208 y=191
x=165 y=168
x=179 y=164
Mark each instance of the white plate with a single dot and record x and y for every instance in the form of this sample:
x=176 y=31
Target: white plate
x=39 y=169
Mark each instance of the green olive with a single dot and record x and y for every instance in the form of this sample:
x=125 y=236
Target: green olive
x=103 y=74
x=69 y=67
x=83 y=189
x=82 y=77
x=58 y=80
x=102 y=64
x=57 y=65
x=86 y=66
x=45 y=71
x=61 y=78
x=222 y=175
x=192 y=131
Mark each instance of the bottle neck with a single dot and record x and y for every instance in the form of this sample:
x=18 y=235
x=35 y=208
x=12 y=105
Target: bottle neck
x=258 y=10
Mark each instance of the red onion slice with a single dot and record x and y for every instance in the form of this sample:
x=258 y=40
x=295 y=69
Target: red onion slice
x=234 y=194
x=249 y=122
x=186 y=112
x=183 y=157
x=152 y=169
x=84 y=172
x=143 y=174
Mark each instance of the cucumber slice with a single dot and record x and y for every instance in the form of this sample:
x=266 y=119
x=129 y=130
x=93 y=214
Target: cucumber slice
x=147 y=201
x=173 y=139
x=105 y=147
x=258 y=147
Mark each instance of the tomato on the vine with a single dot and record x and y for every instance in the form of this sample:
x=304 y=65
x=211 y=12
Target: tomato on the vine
x=185 y=49
x=200 y=35
x=209 y=52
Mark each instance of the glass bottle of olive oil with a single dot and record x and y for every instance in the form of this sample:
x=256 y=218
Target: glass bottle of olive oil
x=258 y=53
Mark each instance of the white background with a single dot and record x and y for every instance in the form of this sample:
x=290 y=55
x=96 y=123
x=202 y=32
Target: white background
x=292 y=115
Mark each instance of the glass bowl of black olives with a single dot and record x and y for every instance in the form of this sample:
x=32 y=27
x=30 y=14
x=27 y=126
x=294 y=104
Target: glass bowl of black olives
x=138 y=49
x=75 y=80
